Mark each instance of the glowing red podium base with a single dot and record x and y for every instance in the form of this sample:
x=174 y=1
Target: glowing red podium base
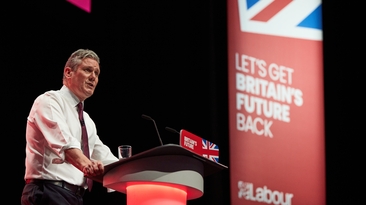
x=165 y=175
x=155 y=194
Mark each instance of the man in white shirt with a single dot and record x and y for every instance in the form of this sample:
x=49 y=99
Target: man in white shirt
x=56 y=168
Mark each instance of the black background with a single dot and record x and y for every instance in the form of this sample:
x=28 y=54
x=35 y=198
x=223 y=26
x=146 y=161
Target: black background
x=167 y=60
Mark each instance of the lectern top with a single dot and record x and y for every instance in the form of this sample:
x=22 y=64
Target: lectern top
x=210 y=167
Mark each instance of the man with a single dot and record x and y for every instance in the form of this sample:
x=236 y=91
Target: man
x=56 y=167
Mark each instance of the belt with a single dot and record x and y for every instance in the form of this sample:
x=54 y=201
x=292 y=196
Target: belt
x=70 y=187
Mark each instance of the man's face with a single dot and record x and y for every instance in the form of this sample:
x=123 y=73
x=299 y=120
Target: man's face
x=85 y=78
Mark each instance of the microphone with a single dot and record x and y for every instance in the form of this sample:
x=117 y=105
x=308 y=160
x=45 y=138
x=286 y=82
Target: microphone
x=157 y=131
x=171 y=130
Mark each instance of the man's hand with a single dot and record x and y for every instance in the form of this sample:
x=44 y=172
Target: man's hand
x=80 y=161
x=94 y=169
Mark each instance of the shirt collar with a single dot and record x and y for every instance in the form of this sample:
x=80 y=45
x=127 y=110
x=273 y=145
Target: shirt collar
x=70 y=96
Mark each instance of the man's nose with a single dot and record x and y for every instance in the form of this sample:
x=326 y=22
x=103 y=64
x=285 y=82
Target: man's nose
x=93 y=76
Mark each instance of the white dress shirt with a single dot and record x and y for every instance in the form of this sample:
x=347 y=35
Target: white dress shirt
x=52 y=127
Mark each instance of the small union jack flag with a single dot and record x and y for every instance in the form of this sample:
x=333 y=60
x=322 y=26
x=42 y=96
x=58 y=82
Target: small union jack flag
x=210 y=150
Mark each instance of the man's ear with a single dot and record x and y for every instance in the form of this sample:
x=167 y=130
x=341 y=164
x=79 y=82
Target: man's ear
x=67 y=72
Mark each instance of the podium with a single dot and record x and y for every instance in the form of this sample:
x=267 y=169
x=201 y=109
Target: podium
x=164 y=175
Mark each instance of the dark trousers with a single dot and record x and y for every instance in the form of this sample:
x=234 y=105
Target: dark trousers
x=49 y=194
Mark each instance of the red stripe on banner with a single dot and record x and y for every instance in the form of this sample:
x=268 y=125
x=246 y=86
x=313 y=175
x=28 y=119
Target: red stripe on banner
x=82 y=4
x=271 y=10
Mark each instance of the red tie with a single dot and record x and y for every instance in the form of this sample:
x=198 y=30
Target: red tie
x=84 y=140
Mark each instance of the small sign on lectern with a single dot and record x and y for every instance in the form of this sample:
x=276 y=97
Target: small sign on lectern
x=199 y=145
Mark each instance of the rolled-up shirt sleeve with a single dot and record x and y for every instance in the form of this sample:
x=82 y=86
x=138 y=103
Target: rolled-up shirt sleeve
x=54 y=123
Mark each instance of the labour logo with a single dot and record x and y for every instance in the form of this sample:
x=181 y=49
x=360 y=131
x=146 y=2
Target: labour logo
x=288 y=18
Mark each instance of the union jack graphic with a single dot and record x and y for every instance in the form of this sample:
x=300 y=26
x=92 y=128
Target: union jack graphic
x=289 y=18
x=210 y=150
